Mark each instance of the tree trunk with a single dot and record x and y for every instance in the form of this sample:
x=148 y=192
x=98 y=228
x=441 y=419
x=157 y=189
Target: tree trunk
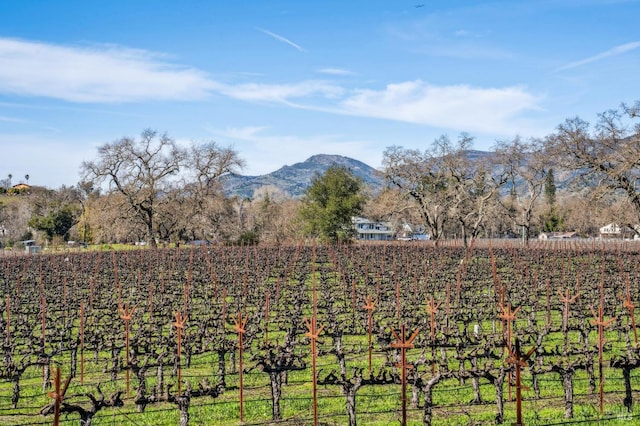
x=415 y=395
x=74 y=360
x=222 y=371
x=475 y=382
x=232 y=360
x=86 y=418
x=183 y=404
x=276 y=392
x=628 y=393
x=141 y=391
x=159 y=380
x=350 y=395
x=15 y=397
x=567 y=384
x=116 y=363
x=591 y=373
x=46 y=377
x=337 y=342
x=498 y=383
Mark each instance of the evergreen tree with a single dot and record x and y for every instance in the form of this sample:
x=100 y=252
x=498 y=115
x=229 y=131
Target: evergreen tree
x=329 y=204
x=552 y=220
x=550 y=188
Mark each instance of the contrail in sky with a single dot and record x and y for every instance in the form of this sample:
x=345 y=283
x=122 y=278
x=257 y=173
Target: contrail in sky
x=282 y=39
x=618 y=50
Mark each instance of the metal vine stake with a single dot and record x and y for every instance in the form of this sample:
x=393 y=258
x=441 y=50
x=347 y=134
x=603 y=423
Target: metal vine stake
x=312 y=334
x=266 y=317
x=403 y=344
x=370 y=306
x=548 y=293
x=179 y=325
x=516 y=359
x=150 y=303
x=398 y=290
x=43 y=317
x=629 y=306
x=126 y=314
x=239 y=327
x=81 y=342
x=432 y=309
x=567 y=299
x=601 y=323
x=58 y=395
x=508 y=316
x=8 y=309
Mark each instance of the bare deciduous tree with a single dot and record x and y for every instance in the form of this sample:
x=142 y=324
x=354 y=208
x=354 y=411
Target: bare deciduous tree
x=446 y=183
x=607 y=157
x=146 y=171
x=420 y=177
x=526 y=165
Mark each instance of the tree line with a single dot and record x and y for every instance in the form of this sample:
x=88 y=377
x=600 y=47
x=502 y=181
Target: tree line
x=151 y=189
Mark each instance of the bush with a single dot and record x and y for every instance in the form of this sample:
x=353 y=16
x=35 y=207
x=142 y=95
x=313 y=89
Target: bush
x=249 y=238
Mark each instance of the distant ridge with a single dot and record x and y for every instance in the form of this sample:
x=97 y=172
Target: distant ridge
x=295 y=179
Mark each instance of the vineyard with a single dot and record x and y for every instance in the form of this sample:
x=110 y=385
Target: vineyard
x=370 y=334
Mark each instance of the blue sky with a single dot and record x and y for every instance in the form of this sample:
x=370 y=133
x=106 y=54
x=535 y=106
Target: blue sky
x=281 y=80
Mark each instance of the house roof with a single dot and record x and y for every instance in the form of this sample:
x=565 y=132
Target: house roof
x=559 y=235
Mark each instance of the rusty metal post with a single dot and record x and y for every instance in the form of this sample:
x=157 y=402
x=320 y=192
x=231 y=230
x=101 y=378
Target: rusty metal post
x=179 y=325
x=567 y=299
x=58 y=398
x=548 y=291
x=266 y=317
x=398 y=303
x=313 y=333
x=518 y=361
x=601 y=323
x=81 y=343
x=627 y=303
x=150 y=303
x=370 y=306
x=507 y=317
x=432 y=309
x=403 y=344
x=447 y=305
x=8 y=309
x=126 y=314
x=43 y=314
x=240 y=323
x=58 y=395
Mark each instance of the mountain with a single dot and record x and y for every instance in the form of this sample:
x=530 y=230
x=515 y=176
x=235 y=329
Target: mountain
x=295 y=179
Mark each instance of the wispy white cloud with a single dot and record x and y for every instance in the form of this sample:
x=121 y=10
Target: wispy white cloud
x=282 y=39
x=115 y=74
x=95 y=73
x=335 y=71
x=615 y=51
x=11 y=119
x=461 y=107
x=280 y=92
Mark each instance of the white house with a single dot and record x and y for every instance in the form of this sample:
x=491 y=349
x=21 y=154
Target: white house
x=369 y=230
x=613 y=230
x=409 y=232
x=558 y=235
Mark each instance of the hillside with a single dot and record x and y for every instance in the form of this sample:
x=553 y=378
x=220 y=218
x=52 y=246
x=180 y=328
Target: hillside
x=295 y=179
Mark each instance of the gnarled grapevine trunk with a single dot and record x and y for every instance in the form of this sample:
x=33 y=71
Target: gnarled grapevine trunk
x=276 y=393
